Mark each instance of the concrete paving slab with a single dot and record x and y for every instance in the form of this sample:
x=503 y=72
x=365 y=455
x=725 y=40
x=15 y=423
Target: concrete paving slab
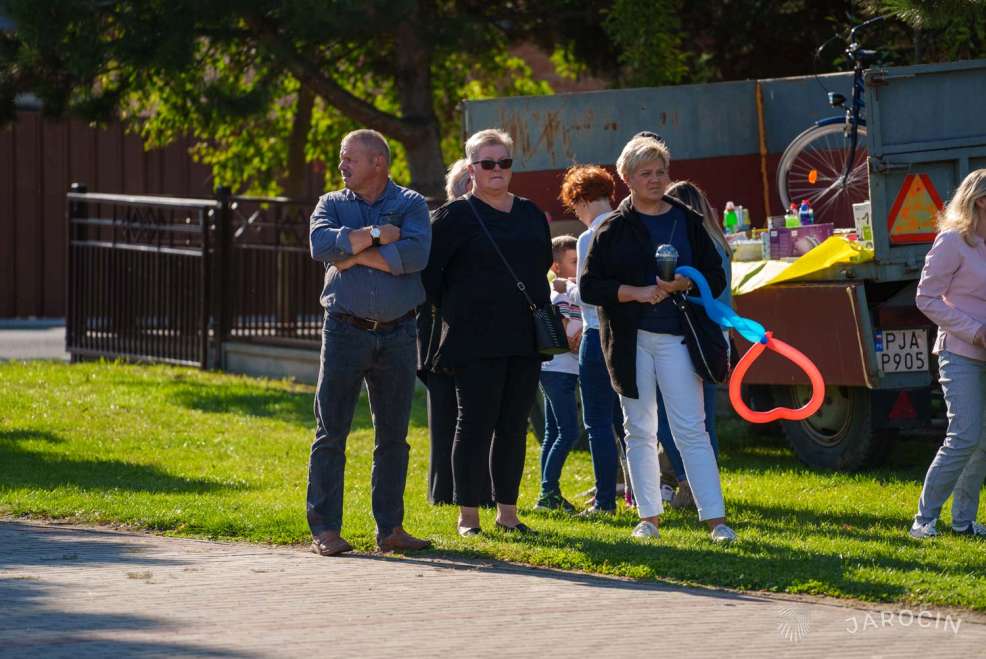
x=71 y=591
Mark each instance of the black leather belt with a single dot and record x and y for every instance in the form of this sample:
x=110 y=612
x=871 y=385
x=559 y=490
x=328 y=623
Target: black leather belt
x=371 y=325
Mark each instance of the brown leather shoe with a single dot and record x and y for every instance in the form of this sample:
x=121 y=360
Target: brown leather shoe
x=330 y=545
x=401 y=540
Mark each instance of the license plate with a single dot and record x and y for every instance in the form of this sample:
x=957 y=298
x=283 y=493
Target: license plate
x=902 y=351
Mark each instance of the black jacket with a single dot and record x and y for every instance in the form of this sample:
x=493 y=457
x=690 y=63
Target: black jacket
x=482 y=314
x=620 y=253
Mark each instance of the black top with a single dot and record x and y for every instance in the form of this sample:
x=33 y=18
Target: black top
x=483 y=314
x=621 y=252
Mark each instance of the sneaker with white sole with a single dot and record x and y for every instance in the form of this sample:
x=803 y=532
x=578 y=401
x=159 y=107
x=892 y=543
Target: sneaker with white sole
x=976 y=530
x=683 y=497
x=667 y=493
x=722 y=533
x=646 y=530
x=596 y=511
x=923 y=531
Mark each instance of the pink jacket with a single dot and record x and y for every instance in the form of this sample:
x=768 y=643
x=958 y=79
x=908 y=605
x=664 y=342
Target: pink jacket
x=952 y=293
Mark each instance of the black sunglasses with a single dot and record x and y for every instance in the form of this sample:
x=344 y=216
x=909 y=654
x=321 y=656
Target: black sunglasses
x=504 y=163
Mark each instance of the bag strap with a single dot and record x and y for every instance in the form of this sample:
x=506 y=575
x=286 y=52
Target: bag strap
x=520 y=285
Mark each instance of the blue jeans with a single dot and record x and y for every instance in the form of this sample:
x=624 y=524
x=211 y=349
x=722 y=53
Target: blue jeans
x=602 y=417
x=664 y=429
x=561 y=426
x=386 y=360
x=959 y=467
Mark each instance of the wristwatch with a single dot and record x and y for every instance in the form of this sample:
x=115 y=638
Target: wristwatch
x=375 y=234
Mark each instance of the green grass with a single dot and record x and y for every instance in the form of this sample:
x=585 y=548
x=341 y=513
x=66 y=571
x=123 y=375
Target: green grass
x=210 y=455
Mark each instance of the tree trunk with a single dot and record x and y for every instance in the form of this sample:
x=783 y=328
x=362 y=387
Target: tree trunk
x=296 y=176
x=424 y=158
x=415 y=93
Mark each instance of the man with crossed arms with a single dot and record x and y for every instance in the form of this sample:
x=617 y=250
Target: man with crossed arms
x=374 y=237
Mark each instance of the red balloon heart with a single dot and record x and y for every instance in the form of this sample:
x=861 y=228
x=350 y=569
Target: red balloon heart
x=796 y=356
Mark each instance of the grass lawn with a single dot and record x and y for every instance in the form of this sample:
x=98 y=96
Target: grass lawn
x=210 y=455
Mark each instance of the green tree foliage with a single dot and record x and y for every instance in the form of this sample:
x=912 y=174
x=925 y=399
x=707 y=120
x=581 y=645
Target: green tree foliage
x=648 y=36
x=266 y=85
x=935 y=30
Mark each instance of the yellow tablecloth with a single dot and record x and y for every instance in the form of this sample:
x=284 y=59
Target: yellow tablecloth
x=748 y=276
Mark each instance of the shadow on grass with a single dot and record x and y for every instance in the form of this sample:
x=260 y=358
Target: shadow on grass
x=22 y=467
x=296 y=408
x=41 y=616
x=293 y=407
x=775 y=568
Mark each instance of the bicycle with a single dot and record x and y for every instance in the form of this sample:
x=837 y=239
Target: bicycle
x=827 y=163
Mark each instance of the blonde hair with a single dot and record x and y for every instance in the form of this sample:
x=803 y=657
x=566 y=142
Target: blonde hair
x=960 y=213
x=638 y=151
x=457 y=179
x=488 y=137
x=691 y=195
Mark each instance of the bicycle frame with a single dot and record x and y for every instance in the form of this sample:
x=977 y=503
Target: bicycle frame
x=853 y=117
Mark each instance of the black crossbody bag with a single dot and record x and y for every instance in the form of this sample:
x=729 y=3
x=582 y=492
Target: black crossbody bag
x=709 y=351
x=549 y=332
x=706 y=344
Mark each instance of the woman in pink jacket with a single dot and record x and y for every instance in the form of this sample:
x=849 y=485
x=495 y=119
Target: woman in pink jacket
x=952 y=293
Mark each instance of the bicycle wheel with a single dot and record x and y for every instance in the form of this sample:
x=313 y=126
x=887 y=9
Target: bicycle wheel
x=811 y=168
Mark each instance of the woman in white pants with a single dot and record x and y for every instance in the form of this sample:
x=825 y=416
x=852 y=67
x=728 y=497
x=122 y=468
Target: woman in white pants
x=642 y=336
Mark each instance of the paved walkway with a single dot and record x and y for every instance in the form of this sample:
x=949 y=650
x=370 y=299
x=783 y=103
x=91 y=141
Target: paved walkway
x=32 y=339
x=68 y=591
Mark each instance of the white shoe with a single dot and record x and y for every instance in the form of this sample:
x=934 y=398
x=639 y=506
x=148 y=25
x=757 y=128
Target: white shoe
x=667 y=493
x=646 y=530
x=923 y=531
x=975 y=529
x=722 y=533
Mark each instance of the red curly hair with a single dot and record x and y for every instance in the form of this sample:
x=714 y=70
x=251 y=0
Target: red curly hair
x=586 y=183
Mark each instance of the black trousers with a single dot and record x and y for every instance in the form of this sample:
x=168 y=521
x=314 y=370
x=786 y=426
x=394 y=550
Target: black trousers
x=443 y=411
x=494 y=398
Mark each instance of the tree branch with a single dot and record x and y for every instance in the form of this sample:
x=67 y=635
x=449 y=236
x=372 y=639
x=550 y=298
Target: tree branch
x=325 y=86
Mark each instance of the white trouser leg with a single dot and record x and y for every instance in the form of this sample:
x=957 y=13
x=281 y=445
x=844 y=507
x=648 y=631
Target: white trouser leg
x=640 y=426
x=681 y=388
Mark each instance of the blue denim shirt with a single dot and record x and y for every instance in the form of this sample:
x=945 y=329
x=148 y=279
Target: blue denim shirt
x=362 y=291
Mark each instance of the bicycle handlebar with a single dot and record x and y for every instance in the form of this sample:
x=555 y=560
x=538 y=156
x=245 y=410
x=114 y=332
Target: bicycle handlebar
x=865 y=24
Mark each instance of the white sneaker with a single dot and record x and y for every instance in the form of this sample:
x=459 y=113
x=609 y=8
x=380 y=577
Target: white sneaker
x=667 y=493
x=722 y=533
x=923 y=531
x=975 y=529
x=646 y=530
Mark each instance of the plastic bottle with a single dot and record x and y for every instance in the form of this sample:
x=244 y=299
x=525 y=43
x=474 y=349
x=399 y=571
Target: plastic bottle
x=729 y=219
x=806 y=214
x=791 y=218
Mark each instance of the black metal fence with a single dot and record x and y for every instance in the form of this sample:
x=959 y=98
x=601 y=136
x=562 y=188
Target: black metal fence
x=169 y=280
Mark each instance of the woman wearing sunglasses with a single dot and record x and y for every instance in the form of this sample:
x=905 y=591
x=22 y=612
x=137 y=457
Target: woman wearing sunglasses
x=487 y=335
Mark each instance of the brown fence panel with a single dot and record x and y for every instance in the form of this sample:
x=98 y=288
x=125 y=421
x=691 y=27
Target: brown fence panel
x=54 y=183
x=29 y=255
x=8 y=225
x=39 y=159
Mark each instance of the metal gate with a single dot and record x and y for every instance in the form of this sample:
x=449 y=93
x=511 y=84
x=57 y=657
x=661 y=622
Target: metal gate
x=164 y=279
x=139 y=282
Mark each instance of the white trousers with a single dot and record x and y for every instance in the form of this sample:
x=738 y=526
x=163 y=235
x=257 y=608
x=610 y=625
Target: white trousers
x=663 y=361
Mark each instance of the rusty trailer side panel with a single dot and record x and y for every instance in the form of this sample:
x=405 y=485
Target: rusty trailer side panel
x=713 y=130
x=828 y=322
